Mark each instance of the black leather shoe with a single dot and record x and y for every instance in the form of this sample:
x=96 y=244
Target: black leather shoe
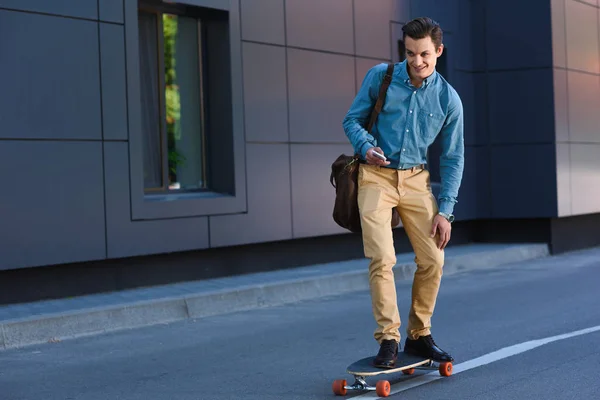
x=424 y=346
x=388 y=353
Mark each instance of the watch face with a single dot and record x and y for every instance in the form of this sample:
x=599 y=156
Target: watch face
x=451 y=218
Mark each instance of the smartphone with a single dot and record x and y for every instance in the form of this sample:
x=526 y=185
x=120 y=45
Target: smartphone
x=376 y=154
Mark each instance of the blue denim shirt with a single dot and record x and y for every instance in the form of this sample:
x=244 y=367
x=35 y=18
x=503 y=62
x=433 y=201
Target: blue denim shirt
x=409 y=122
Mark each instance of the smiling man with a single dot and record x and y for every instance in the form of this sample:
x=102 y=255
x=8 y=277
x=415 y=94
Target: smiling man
x=420 y=105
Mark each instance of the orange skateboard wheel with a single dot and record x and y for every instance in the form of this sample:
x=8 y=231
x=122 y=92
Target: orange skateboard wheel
x=339 y=387
x=382 y=389
x=446 y=369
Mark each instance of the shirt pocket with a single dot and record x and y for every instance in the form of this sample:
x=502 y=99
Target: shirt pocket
x=430 y=123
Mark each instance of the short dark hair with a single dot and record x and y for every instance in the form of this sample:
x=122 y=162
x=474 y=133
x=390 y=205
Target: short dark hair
x=420 y=28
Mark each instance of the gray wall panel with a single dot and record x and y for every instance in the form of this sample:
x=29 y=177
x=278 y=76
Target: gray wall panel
x=563 y=178
x=452 y=46
x=265 y=93
x=480 y=110
x=52 y=208
x=511 y=48
x=401 y=11
x=362 y=67
x=559 y=34
x=582 y=37
x=443 y=11
x=483 y=165
x=373 y=39
x=523 y=189
x=521 y=106
x=71 y=8
x=53 y=89
x=114 y=95
x=479 y=36
x=466 y=208
x=584 y=98
x=321 y=90
x=263 y=21
x=585 y=178
x=471 y=33
x=561 y=105
x=111 y=10
x=474 y=192
x=128 y=238
x=310 y=25
x=464 y=84
x=312 y=194
x=269 y=214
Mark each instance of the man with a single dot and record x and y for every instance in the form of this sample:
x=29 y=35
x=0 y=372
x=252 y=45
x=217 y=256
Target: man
x=420 y=105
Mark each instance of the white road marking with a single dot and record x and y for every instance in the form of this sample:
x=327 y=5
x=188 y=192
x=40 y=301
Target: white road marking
x=479 y=361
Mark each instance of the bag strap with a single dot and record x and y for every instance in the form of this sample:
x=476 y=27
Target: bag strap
x=387 y=79
x=381 y=98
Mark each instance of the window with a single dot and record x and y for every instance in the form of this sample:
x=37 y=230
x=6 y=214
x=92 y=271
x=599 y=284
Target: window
x=173 y=101
x=186 y=116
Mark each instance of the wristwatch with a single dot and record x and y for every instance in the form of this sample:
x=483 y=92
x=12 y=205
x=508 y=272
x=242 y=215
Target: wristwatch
x=449 y=217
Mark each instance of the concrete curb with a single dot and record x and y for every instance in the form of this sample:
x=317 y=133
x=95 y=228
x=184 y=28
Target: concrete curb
x=52 y=327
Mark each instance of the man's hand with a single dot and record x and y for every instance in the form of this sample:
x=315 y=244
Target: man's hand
x=443 y=228
x=373 y=159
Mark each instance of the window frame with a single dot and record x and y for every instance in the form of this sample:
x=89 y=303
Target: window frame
x=228 y=195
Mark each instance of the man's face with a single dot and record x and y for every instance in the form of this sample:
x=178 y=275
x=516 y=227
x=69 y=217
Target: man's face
x=421 y=56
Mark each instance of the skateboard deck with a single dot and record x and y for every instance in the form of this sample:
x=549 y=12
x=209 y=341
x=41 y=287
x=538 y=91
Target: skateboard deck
x=405 y=363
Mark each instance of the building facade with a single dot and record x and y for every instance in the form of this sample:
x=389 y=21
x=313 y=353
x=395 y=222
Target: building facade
x=139 y=128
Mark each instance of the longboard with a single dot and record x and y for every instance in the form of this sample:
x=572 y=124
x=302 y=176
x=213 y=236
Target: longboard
x=405 y=363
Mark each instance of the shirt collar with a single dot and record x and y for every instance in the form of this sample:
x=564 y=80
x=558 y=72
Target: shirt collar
x=406 y=78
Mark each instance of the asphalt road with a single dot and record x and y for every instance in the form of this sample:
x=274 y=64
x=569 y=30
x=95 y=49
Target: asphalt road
x=296 y=351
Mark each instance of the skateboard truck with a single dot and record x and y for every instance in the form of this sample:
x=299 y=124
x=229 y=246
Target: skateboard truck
x=362 y=368
x=360 y=384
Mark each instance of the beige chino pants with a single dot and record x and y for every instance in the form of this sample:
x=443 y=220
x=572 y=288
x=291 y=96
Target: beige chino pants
x=380 y=189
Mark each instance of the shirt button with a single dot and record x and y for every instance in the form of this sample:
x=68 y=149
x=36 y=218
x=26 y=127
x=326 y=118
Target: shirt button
x=407 y=130
x=410 y=111
x=403 y=149
x=431 y=115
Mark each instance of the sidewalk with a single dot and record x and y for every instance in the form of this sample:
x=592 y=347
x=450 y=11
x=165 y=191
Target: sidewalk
x=32 y=323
